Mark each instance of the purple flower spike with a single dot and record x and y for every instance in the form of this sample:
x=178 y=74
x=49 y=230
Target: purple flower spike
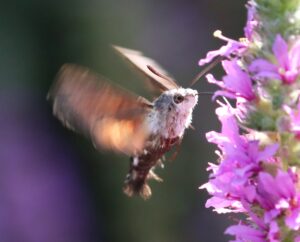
x=258 y=147
x=287 y=67
x=236 y=83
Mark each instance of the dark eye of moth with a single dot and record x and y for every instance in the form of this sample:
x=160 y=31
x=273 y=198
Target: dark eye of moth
x=178 y=98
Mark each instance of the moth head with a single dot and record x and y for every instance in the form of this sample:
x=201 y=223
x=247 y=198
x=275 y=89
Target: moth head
x=181 y=99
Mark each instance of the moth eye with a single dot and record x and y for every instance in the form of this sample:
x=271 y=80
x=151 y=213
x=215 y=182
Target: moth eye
x=178 y=98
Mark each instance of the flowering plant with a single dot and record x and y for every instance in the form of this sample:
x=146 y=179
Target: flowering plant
x=259 y=143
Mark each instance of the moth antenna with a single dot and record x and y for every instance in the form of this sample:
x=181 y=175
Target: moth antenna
x=154 y=71
x=206 y=69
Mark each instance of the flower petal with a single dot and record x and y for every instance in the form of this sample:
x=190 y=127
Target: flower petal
x=246 y=233
x=293 y=220
x=237 y=81
x=262 y=68
x=210 y=78
x=231 y=47
x=280 y=50
x=259 y=65
x=294 y=55
x=268 y=152
x=251 y=21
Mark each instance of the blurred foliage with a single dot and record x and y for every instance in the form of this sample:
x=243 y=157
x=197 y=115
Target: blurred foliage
x=37 y=37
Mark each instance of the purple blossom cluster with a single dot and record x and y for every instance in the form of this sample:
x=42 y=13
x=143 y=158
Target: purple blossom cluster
x=287 y=63
x=257 y=172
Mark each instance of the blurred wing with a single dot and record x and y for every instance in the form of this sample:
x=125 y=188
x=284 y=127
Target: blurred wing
x=112 y=117
x=158 y=77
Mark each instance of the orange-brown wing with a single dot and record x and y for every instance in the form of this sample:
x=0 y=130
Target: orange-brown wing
x=159 y=78
x=112 y=117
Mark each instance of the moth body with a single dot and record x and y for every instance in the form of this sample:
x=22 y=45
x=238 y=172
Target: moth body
x=167 y=121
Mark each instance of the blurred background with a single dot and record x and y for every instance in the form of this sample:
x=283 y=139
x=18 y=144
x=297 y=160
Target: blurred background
x=54 y=186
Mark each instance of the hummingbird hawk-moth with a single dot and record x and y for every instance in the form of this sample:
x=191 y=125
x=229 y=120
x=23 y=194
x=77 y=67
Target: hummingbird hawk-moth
x=118 y=120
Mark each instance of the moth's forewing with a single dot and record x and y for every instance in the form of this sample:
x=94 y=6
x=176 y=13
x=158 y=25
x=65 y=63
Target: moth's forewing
x=141 y=63
x=112 y=117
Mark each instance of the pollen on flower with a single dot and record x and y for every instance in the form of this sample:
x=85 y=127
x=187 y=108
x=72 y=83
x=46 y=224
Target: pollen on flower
x=218 y=34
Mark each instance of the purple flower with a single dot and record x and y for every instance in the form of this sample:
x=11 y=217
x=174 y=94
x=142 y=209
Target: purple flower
x=232 y=47
x=278 y=195
x=245 y=233
x=236 y=83
x=275 y=192
x=287 y=64
x=230 y=183
x=252 y=22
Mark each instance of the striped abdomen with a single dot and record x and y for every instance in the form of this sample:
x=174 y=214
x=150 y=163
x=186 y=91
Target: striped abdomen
x=142 y=168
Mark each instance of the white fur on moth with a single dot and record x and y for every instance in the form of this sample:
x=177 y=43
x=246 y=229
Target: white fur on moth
x=171 y=115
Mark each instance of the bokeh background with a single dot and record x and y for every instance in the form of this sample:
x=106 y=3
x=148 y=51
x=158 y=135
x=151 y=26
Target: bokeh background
x=54 y=186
